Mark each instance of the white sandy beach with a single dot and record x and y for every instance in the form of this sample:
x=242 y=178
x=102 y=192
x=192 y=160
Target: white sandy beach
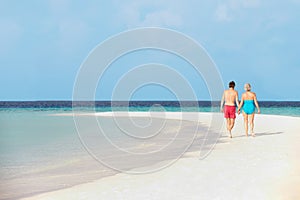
x=264 y=167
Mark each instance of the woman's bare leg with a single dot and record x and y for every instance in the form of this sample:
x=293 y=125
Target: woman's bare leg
x=246 y=123
x=251 y=120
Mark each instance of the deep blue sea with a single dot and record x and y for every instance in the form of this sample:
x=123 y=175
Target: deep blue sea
x=286 y=108
x=41 y=151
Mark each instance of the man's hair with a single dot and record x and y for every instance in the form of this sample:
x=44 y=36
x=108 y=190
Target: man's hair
x=231 y=84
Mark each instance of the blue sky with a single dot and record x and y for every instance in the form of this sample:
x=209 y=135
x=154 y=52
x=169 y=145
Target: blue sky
x=43 y=43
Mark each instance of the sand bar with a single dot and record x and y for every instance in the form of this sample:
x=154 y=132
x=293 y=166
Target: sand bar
x=264 y=167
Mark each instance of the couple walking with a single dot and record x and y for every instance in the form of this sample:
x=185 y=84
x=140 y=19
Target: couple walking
x=247 y=104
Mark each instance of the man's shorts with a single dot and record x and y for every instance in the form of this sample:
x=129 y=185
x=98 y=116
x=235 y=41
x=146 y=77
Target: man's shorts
x=229 y=112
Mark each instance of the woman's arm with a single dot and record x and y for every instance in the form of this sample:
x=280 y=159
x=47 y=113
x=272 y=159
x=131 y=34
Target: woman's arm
x=256 y=103
x=241 y=104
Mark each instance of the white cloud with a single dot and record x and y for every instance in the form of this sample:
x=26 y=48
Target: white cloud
x=72 y=31
x=250 y=3
x=59 y=7
x=221 y=13
x=229 y=10
x=162 y=18
x=295 y=1
x=149 y=13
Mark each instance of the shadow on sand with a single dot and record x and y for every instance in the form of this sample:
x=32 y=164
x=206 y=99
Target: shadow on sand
x=256 y=134
x=267 y=133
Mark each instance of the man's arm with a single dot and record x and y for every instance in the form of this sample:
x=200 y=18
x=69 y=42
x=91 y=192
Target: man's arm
x=237 y=99
x=241 y=104
x=222 y=102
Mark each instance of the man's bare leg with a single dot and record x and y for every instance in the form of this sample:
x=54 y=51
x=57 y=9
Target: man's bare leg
x=251 y=120
x=228 y=120
x=246 y=123
x=232 y=121
x=232 y=125
x=227 y=124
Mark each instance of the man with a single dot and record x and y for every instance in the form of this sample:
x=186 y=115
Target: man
x=230 y=97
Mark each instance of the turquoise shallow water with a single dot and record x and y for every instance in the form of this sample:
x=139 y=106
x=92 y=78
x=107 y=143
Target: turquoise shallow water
x=40 y=151
x=285 y=110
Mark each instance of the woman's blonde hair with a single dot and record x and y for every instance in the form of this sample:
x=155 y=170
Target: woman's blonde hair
x=248 y=86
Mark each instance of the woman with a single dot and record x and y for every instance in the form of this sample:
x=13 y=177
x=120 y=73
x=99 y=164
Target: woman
x=248 y=103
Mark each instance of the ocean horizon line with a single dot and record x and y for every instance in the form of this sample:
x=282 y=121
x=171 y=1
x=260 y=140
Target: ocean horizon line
x=150 y=100
x=133 y=103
